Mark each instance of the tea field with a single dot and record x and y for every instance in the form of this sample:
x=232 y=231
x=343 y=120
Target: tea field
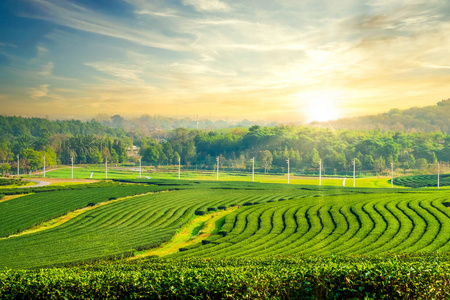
x=420 y=181
x=282 y=241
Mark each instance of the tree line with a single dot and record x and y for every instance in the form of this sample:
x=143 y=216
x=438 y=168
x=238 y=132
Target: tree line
x=91 y=142
x=304 y=147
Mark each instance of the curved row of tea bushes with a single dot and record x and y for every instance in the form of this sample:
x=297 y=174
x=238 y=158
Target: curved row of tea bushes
x=345 y=225
x=123 y=227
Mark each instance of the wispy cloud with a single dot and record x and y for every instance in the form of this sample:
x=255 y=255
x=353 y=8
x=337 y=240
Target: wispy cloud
x=208 y=5
x=68 y=14
x=41 y=91
x=47 y=69
x=198 y=54
x=117 y=70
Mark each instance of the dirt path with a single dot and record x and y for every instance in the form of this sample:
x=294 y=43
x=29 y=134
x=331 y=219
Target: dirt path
x=39 y=183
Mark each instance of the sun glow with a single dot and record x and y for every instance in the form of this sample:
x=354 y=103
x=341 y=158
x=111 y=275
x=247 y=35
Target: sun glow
x=322 y=107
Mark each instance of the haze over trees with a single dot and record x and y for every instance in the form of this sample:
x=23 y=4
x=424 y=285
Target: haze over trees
x=91 y=142
x=417 y=119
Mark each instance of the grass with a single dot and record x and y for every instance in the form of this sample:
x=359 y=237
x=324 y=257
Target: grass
x=192 y=233
x=84 y=172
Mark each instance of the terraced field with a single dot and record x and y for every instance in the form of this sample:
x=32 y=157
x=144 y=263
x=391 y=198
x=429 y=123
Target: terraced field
x=357 y=224
x=27 y=211
x=416 y=181
x=272 y=220
x=125 y=226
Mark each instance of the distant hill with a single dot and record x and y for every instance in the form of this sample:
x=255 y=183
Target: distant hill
x=417 y=119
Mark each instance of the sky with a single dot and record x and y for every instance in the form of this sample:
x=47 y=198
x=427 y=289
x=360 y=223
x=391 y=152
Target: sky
x=277 y=60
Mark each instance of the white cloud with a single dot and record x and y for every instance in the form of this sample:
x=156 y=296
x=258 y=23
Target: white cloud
x=117 y=70
x=208 y=5
x=41 y=91
x=65 y=13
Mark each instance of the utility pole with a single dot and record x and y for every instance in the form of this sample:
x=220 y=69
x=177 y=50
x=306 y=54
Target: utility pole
x=320 y=172
x=253 y=169
x=197 y=121
x=392 y=175
x=354 y=171
x=217 y=159
x=18 y=163
x=44 y=166
x=140 y=167
x=72 y=165
x=288 y=168
x=179 y=167
x=438 y=176
x=106 y=168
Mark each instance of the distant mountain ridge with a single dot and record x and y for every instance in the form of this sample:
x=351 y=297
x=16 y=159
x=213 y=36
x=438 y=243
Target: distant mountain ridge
x=417 y=119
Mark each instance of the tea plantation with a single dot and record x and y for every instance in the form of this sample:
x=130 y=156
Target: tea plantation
x=283 y=241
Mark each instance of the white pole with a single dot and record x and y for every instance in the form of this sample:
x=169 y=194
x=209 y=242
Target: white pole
x=106 y=168
x=354 y=171
x=253 y=169
x=44 y=166
x=438 y=177
x=179 y=167
x=320 y=172
x=288 y=168
x=18 y=163
x=140 y=167
x=392 y=175
x=217 y=159
x=72 y=165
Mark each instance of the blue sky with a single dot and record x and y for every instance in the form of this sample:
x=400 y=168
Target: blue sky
x=257 y=59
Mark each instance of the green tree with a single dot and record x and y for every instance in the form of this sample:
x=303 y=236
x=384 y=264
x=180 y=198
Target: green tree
x=266 y=158
x=35 y=159
x=409 y=163
x=368 y=163
x=379 y=164
x=175 y=158
x=4 y=168
x=168 y=151
x=151 y=155
x=314 y=158
x=422 y=164
x=189 y=153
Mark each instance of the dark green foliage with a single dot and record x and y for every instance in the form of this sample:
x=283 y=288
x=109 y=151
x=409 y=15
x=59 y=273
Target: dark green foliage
x=26 y=211
x=4 y=181
x=340 y=224
x=418 y=181
x=351 y=221
x=392 y=277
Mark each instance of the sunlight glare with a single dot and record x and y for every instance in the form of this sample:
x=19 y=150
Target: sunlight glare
x=322 y=107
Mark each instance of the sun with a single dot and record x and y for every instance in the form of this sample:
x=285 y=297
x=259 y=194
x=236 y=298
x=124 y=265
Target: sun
x=322 y=107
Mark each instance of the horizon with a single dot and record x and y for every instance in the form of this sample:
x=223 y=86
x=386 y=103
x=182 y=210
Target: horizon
x=255 y=60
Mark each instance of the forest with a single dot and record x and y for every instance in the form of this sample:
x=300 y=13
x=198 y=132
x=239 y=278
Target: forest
x=416 y=119
x=30 y=139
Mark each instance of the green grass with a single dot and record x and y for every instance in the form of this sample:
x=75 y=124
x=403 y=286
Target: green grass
x=84 y=172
